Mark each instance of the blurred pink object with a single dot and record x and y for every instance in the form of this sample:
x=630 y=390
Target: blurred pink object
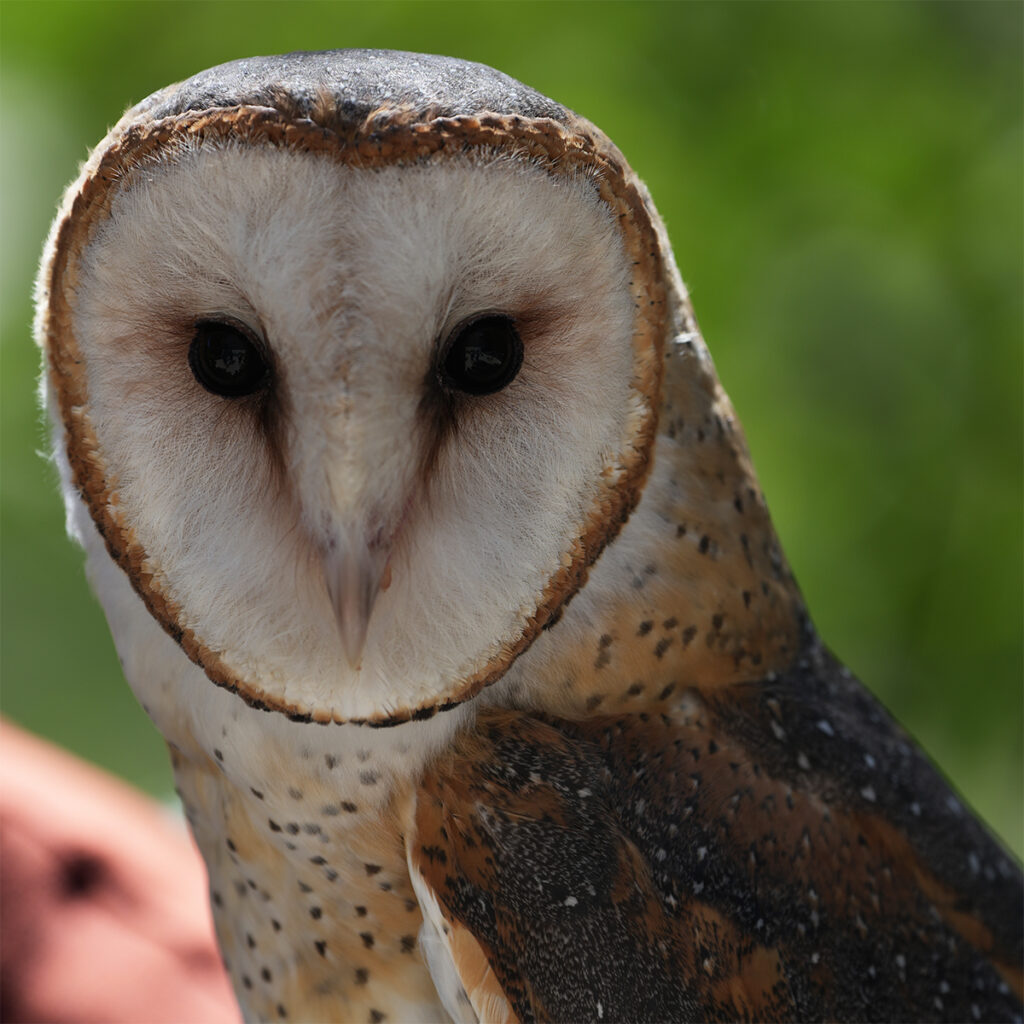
x=104 y=913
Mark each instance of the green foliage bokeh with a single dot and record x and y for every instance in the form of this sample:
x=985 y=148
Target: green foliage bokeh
x=842 y=184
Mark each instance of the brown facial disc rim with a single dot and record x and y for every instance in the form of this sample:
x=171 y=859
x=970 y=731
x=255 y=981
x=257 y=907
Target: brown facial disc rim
x=557 y=148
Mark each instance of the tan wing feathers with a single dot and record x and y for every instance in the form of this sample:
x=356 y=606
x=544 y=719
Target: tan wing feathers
x=738 y=879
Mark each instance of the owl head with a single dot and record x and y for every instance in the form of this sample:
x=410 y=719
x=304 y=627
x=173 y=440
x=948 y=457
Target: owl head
x=356 y=358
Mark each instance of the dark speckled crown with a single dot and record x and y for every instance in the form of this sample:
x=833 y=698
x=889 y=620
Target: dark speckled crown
x=358 y=82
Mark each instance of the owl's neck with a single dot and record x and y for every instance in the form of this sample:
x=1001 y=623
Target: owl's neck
x=315 y=914
x=695 y=591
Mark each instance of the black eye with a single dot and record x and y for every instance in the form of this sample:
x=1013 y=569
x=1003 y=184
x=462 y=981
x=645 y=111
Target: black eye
x=226 y=361
x=481 y=357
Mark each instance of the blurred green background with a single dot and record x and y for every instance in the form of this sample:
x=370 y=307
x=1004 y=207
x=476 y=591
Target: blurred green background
x=843 y=187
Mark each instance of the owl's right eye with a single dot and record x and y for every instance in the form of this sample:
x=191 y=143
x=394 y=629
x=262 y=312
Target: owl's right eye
x=226 y=361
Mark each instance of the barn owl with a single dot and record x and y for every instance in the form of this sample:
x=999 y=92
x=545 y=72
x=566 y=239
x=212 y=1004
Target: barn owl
x=431 y=544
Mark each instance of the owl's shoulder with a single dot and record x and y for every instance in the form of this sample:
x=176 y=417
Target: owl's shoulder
x=778 y=849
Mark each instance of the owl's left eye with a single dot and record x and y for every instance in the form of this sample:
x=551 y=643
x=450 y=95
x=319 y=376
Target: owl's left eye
x=226 y=361
x=482 y=356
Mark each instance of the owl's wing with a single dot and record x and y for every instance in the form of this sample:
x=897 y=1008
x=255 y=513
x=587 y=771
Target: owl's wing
x=777 y=850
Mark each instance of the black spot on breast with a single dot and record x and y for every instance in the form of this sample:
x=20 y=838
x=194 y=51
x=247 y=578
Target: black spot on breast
x=321 y=947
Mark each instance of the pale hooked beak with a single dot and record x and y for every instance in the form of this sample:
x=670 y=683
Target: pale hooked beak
x=353 y=571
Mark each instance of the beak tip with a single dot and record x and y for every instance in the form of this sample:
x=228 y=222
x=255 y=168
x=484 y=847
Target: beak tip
x=353 y=576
